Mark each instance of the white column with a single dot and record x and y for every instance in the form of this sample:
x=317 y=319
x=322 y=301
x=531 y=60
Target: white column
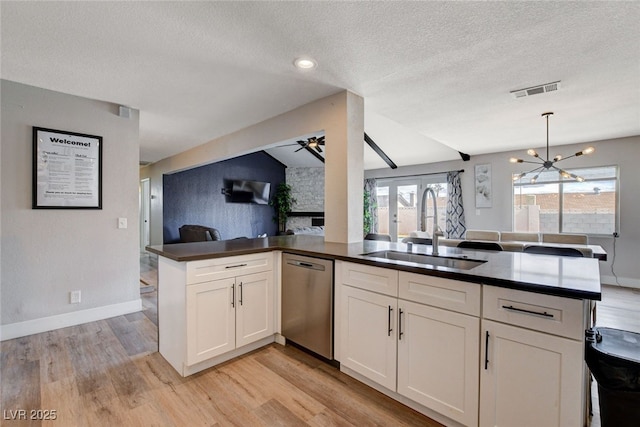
x=344 y=173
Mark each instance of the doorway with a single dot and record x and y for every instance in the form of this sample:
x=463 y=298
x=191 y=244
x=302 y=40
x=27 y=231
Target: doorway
x=145 y=199
x=399 y=205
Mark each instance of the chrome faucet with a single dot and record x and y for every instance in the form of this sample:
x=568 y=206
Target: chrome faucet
x=437 y=231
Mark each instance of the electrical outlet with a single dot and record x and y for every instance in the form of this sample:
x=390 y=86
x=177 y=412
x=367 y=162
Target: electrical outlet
x=122 y=222
x=74 y=297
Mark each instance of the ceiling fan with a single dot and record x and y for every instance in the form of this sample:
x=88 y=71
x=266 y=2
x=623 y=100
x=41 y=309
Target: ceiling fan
x=313 y=142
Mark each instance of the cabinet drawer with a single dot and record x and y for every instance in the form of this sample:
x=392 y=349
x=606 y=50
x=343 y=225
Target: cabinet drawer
x=220 y=268
x=376 y=279
x=454 y=295
x=546 y=313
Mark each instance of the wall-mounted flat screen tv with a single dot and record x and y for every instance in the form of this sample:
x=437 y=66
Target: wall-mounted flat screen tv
x=250 y=192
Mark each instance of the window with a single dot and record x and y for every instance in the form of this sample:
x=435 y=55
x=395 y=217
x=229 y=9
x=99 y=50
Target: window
x=556 y=205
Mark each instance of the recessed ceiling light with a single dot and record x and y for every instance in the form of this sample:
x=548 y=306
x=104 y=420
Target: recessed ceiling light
x=305 y=63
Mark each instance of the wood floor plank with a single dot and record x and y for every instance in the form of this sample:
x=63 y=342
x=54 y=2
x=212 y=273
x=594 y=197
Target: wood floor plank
x=334 y=394
x=262 y=385
x=25 y=349
x=328 y=418
x=176 y=407
x=133 y=317
x=129 y=336
x=226 y=401
x=92 y=379
x=55 y=364
x=157 y=372
x=168 y=395
x=21 y=392
x=149 y=306
x=274 y=413
x=63 y=397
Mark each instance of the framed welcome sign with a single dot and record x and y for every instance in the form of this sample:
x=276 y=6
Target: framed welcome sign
x=67 y=170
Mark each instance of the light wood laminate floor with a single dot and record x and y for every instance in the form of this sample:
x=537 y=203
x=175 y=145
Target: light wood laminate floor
x=109 y=373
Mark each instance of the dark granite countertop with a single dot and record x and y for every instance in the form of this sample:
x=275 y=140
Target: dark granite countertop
x=553 y=275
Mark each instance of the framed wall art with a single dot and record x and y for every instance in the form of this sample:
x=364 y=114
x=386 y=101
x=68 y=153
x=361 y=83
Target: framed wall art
x=67 y=170
x=483 y=186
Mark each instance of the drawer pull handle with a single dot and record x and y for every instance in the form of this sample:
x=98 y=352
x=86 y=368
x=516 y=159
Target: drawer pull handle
x=236 y=266
x=522 y=310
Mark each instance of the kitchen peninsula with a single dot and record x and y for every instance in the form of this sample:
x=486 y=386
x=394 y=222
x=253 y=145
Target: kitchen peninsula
x=495 y=344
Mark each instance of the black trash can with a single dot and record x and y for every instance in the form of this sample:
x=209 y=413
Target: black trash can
x=613 y=356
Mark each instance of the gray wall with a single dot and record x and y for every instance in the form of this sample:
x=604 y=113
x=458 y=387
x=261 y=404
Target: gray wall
x=623 y=152
x=47 y=253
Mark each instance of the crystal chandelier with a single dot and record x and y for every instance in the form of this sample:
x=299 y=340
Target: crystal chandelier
x=546 y=163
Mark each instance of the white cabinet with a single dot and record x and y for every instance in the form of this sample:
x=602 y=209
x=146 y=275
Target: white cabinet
x=368 y=338
x=228 y=313
x=438 y=360
x=254 y=308
x=427 y=354
x=528 y=377
x=212 y=310
x=211 y=320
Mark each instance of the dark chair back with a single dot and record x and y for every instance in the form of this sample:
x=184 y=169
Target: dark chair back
x=198 y=233
x=417 y=240
x=548 y=250
x=376 y=236
x=485 y=246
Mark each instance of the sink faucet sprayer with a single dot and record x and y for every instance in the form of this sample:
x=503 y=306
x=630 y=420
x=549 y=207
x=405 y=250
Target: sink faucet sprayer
x=437 y=231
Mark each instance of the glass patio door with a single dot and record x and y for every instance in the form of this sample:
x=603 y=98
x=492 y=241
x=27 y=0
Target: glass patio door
x=397 y=205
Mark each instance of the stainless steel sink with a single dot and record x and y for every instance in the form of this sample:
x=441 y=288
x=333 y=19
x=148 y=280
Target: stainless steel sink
x=440 y=261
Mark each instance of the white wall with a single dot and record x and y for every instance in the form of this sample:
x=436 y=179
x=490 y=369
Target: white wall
x=340 y=116
x=48 y=252
x=624 y=152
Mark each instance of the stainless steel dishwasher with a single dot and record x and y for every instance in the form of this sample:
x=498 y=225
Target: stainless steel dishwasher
x=307 y=303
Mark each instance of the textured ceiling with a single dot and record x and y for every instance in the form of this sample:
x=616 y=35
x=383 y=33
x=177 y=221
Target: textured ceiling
x=435 y=76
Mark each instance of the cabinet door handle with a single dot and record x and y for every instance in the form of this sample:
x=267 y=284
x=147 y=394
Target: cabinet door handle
x=486 y=351
x=390 y=330
x=522 y=310
x=240 y=293
x=400 y=324
x=236 y=266
x=233 y=295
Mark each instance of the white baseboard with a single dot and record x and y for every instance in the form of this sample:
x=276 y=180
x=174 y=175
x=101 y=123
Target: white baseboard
x=626 y=282
x=44 y=324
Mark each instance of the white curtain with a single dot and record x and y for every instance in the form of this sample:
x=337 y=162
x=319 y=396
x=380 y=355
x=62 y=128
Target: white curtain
x=456 y=227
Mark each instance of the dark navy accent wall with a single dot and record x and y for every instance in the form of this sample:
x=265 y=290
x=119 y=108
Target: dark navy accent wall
x=194 y=197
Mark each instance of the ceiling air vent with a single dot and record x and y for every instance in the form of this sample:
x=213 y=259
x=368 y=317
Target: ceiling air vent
x=535 y=90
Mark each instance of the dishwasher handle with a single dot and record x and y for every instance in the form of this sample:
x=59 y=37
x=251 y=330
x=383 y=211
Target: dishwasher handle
x=305 y=264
